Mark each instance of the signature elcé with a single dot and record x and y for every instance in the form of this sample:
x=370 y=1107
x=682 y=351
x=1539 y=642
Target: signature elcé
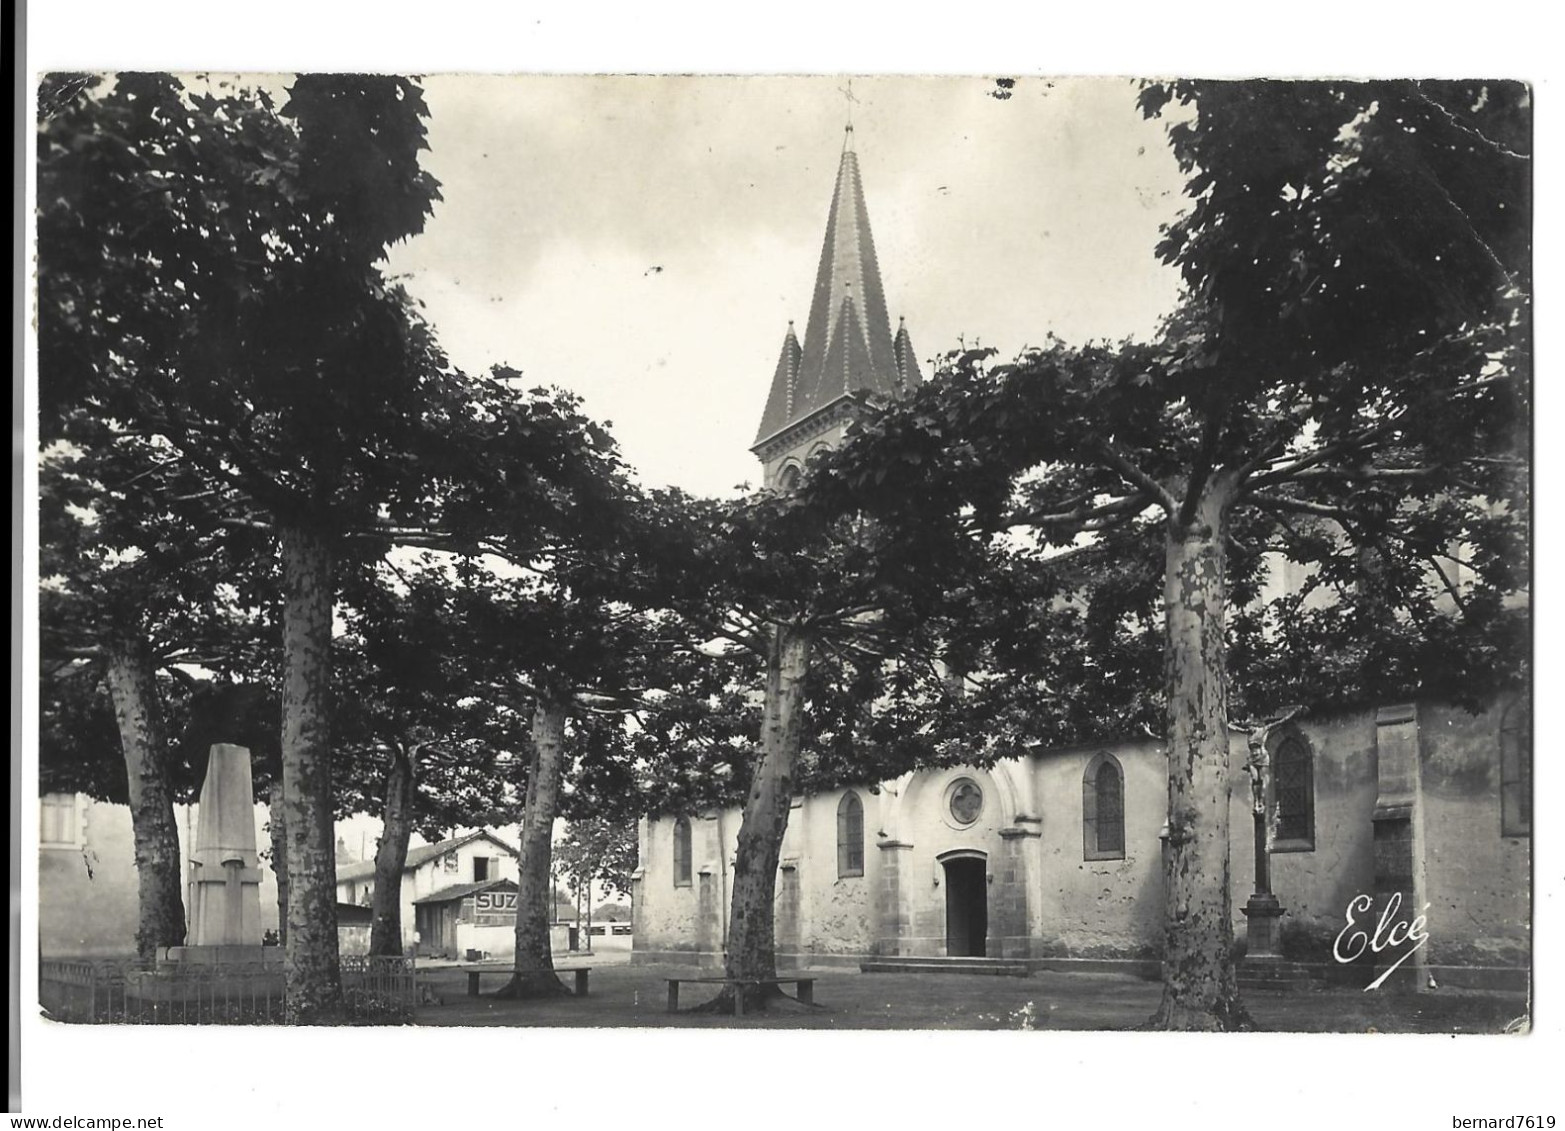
x=1390 y=931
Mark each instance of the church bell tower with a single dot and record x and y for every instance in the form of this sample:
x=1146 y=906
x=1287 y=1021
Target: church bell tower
x=848 y=349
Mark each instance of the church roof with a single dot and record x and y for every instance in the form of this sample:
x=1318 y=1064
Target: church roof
x=848 y=347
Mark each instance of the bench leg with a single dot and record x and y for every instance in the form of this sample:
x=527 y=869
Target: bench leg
x=581 y=983
x=673 y=997
x=807 y=991
x=472 y=983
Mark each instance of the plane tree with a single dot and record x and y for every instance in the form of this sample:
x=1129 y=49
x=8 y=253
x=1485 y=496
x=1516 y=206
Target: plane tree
x=137 y=594
x=598 y=850
x=1346 y=387
x=412 y=742
x=847 y=640
x=211 y=283
x=566 y=661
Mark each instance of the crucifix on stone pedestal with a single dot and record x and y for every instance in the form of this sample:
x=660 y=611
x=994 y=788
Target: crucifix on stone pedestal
x=1263 y=910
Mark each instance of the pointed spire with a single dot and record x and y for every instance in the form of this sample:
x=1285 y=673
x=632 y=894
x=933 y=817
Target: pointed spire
x=908 y=374
x=785 y=387
x=848 y=346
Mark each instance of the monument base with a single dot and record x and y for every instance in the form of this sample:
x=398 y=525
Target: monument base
x=210 y=974
x=222 y=955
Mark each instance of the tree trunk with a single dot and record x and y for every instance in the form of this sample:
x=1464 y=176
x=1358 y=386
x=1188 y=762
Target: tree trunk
x=752 y=948
x=534 y=976
x=159 y=874
x=391 y=854
x=277 y=828
x=1200 y=986
x=312 y=980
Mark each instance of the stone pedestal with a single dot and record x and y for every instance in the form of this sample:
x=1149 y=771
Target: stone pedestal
x=224 y=939
x=1263 y=915
x=1263 y=967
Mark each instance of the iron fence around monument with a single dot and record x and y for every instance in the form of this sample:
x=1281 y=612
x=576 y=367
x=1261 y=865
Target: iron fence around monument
x=375 y=990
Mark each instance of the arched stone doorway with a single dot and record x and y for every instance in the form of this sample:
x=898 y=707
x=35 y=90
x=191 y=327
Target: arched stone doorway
x=967 y=903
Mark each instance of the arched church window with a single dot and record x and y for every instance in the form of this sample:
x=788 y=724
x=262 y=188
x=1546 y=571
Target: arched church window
x=850 y=835
x=1293 y=790
x=682 y=868
x=1516 y=769
x=788 y=478
x=1103 y=809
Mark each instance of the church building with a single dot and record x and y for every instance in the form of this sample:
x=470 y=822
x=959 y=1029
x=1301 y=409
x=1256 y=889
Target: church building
x=1053 y=857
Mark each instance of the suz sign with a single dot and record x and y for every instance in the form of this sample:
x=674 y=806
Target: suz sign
x=495 y=903
x=494 y=908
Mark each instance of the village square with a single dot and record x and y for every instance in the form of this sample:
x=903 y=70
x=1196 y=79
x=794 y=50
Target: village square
x=667 y=552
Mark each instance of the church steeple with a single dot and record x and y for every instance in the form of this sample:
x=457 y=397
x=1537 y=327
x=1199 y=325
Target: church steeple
x=848 y=346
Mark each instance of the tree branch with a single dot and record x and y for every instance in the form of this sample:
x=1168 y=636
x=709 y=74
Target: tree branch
x=1299 y=506
x=1120 y=462
x=1127 y=504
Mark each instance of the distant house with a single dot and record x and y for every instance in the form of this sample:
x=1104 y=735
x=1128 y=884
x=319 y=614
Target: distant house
x=467 y=920
x=471 y=862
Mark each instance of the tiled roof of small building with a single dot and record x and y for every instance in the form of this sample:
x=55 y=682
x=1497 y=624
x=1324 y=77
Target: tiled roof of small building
x=460 y=891
x=416 y=856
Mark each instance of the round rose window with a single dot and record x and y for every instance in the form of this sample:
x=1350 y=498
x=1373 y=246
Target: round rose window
x=967 y=801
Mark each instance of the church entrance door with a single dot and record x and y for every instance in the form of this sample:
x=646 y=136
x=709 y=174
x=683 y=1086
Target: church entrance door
x=967 y=906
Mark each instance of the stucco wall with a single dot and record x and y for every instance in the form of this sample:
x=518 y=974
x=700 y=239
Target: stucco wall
x=836 y=913
x=1315 y=885
x=1101 y=908
x=1046 y=900
x=87 y=902
x=669 y=917
x=1476 y=878
x=924 y=821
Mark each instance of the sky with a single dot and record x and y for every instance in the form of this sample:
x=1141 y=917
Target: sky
x=645 y=240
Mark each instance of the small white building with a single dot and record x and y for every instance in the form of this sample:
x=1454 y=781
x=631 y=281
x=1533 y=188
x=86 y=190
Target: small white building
x=471 y=862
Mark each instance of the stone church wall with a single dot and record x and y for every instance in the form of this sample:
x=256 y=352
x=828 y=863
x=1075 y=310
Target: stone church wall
x=1381 y=826
x=1477 y=877
x=1100 y=908
x=1315 y=883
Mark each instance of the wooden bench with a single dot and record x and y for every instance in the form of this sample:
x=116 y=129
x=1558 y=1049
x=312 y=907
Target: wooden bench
x=475 y=972
x=805 y=988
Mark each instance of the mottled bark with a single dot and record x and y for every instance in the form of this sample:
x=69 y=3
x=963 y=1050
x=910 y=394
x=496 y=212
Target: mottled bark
x=1200 y=986
x=752 y=948
x=159 y=873
x=391 y=854
x=534 y=967
x=312 y=984
x=276 y=827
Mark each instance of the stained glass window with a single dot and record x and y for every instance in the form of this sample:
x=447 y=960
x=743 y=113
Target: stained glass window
x=850 y=836
x=1103 y=810
x=1293 y=775
x=682 y=869
x=967 y=801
